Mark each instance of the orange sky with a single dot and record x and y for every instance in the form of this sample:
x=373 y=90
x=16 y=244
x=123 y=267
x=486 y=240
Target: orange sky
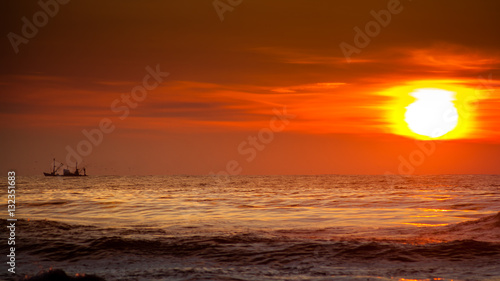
x=226 y=78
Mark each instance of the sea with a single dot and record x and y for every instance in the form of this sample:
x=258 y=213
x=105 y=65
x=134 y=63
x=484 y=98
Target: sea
x=324 y=227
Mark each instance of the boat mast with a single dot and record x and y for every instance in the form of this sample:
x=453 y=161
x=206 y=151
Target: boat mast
x=54 y=168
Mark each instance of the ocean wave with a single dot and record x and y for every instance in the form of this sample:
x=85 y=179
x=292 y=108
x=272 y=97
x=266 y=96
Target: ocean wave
x=44 y=203
x=56 y=241
x=485 y=229
x=240 y=251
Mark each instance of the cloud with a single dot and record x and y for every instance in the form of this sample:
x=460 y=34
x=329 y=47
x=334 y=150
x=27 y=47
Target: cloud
x=307 y=88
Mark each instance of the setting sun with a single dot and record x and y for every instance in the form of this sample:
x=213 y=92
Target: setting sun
x=433 y=114
x=427 y=110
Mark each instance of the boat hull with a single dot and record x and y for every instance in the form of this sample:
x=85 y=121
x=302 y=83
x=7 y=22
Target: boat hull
x=56 y=175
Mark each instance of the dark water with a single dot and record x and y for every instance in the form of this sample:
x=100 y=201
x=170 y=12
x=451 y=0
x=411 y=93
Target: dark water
x=260 y=228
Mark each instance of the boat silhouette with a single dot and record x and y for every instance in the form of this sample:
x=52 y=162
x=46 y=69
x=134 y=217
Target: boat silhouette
x=66 y=172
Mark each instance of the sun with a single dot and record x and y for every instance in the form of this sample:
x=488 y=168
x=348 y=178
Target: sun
x=433 y=113
x=431 y=110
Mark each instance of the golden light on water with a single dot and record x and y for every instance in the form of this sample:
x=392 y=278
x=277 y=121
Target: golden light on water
x=426 y=279
x=428 y=110
x=425 y=224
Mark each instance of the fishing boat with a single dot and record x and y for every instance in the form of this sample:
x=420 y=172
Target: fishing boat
x=66 y=172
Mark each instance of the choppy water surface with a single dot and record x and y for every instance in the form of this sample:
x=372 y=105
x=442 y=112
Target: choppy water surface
x=260 y=227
